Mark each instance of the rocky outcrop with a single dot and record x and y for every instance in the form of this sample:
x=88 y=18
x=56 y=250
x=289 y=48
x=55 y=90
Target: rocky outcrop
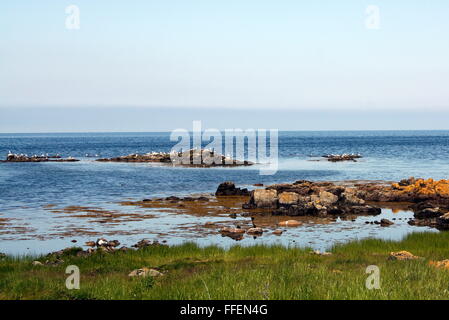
x=189 y=158
x=304 y=198
x=161 y=157
x=228 y=189
x=342 y=157
x=11 y=157
x=428 y=199
x=424 y=189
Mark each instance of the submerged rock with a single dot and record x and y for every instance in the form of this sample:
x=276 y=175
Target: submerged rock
x=227 y=230
x=255 y=231
x=386 y=222
x=289 y=223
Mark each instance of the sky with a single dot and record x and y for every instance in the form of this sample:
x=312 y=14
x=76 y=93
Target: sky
x=273 y=61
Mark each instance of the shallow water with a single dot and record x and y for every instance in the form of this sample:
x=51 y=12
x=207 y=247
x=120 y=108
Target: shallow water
x=26 y=189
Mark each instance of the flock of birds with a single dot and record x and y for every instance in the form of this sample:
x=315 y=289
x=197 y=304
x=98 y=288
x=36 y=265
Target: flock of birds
x=344 y=155
x=45 y=155
x=227 y=156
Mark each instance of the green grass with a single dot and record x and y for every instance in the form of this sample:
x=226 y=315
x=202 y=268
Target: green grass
x=257 y=272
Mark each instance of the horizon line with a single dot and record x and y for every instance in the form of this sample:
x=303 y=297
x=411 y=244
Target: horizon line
x=169 y=131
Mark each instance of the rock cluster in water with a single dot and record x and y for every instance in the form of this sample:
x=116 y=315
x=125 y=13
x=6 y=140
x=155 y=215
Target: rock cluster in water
x=12 y=157
x=228 y=189
x=306 y=198
x=342 y=157
x=427 y=198
x=190 y=158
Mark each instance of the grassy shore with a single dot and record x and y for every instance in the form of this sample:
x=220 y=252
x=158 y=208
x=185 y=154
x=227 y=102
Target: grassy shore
x=258 y=272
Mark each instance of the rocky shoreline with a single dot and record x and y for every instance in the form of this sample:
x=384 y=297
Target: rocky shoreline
x=289 y=203
x=275 y=209
x=428 y=199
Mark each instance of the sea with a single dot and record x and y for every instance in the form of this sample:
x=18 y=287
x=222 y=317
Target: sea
x=32 y=193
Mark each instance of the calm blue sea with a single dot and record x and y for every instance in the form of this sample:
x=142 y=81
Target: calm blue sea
x=26 y=188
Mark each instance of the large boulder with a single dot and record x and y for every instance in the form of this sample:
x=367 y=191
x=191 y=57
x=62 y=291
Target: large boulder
x=350 y=197
x=265 y=198
x=325 y=198
x=288 y=198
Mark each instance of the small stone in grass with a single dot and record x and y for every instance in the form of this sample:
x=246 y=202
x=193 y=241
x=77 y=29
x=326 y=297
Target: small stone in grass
x=145 y=272
x=402 y=255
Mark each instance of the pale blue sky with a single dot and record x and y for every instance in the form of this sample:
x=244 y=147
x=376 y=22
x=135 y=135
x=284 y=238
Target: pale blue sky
x=284 y=54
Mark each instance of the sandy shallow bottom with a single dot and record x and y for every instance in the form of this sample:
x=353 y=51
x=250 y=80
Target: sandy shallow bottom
x=175 y=222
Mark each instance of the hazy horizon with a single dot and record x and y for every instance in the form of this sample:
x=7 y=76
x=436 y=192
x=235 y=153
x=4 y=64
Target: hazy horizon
x=128 y=119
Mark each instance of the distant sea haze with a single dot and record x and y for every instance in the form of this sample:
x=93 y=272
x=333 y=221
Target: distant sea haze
x=133 y=119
